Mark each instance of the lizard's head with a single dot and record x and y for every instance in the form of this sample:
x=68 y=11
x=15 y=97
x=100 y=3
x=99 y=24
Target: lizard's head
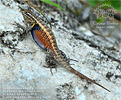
x=28 y=17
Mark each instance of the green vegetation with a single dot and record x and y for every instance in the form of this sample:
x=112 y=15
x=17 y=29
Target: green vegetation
x=116 y=4
x=100 y=19
x=53 y=4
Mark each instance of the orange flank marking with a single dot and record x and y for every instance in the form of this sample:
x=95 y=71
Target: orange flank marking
x=43 y=39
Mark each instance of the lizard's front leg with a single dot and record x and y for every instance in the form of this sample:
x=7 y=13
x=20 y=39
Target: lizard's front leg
x=25 y=29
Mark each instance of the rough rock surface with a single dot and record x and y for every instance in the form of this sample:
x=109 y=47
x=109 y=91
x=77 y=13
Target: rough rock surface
x=22 y=61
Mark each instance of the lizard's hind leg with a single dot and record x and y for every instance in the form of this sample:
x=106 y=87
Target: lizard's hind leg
x=67 y=59
x=51 y=63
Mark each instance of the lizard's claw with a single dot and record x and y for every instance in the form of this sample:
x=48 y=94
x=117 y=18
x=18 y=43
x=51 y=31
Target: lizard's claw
x=51 y=67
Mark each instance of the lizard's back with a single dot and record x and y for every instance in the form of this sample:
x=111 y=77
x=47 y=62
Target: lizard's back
x=41 y=33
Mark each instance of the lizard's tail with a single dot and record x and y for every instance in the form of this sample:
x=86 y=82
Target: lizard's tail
x=85 y=77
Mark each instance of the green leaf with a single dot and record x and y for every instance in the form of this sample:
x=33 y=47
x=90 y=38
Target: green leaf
x=53 y=4
x=100 y=19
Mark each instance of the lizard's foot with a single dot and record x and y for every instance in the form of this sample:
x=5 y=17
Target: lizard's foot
x=51 y=67
x=51 y=63
x=72 y=60
x=25 y=29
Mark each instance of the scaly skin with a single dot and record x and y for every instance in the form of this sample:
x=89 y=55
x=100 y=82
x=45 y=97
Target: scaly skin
x=47 y=38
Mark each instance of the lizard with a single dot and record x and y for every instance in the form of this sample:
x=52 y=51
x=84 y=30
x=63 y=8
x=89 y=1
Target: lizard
x=45 y=38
